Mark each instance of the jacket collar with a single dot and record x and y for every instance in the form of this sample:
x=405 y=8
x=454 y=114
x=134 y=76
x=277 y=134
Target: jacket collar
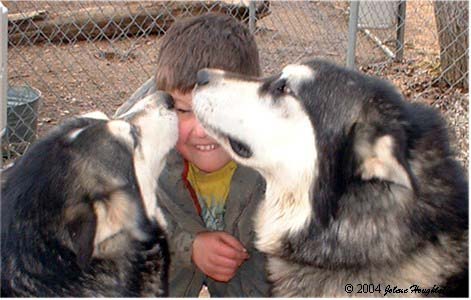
x=239 y=197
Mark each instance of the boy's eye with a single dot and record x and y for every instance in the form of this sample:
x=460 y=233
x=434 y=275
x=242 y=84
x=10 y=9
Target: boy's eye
x=182 y=111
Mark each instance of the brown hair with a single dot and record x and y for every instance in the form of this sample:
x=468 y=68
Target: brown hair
x=207 y=41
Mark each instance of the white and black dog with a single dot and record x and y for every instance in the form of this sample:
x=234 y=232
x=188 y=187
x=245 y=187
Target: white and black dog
x=79 y=212
x=364 y=196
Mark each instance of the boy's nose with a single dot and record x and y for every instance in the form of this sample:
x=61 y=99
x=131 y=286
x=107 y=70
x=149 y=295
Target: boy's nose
x=199 y=130
x=202 y=77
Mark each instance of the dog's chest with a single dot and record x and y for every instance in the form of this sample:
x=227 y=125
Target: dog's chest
x=290 y=279
x=294 y=280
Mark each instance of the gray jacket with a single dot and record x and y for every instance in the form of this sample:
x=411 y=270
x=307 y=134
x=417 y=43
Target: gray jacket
x=184 y=223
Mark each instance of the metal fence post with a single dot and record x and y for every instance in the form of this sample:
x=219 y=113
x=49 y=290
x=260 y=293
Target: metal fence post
x=352 y=33
x=401 y=28
x=3 y=68
x=252 y=17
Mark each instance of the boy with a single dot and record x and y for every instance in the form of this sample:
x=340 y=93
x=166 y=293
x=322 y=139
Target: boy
x=207 y=199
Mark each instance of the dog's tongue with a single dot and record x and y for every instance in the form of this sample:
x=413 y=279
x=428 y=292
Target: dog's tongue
x=240 y=148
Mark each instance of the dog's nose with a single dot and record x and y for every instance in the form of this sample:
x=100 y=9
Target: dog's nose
x=202 y=77
x=169 y=103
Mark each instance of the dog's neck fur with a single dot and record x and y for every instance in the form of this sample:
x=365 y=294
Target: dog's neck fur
x=147 y=177
x=285 y=211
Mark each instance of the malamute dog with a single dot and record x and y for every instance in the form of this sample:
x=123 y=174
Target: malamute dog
x=364 y=196
x=79 y=214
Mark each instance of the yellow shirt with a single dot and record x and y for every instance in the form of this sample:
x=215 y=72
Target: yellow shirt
x=212 y=190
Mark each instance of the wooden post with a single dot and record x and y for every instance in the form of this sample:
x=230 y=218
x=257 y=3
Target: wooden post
x=452 y=26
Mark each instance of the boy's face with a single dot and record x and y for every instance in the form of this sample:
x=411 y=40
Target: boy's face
x=193 y=142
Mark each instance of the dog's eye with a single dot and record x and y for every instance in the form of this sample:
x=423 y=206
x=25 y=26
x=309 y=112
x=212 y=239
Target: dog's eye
x=282 y=88
x=286 y=89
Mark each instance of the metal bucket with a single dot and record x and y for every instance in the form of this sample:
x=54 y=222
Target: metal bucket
x=22 y=119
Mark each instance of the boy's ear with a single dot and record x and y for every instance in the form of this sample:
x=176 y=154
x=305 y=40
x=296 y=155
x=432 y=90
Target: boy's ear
x=81 y=226
x=380 y=155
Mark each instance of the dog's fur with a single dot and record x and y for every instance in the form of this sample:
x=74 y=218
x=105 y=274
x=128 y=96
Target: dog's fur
x=79 y=214
x=362 y=187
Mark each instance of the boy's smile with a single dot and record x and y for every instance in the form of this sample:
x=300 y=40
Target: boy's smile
x=193 y=142
x=206 y=148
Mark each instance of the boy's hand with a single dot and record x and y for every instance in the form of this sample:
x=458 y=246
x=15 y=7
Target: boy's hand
x=218 y=254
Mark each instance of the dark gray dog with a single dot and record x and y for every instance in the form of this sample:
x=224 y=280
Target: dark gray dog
x=79 y=214
x=364 y=196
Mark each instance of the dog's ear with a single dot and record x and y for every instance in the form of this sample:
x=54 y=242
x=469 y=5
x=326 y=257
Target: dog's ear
x=119 y=216
x=81 y=226
x=380 y=153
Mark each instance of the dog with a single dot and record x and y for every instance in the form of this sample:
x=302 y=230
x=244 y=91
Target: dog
x=79 y=212
x=364 y=196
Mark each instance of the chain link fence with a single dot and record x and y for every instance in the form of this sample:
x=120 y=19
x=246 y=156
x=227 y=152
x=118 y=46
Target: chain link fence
x=91 y=55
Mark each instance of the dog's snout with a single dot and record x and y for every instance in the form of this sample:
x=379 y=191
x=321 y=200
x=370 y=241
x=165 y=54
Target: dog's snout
x=169 y=103
x=202 y=77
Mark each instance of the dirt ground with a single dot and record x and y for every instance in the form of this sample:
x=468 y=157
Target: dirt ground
x=82 y=76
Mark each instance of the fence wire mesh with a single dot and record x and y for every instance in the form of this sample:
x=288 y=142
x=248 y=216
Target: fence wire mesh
x=92 y=55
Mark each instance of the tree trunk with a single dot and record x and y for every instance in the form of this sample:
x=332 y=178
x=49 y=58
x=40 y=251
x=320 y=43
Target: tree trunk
x=452 y=26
